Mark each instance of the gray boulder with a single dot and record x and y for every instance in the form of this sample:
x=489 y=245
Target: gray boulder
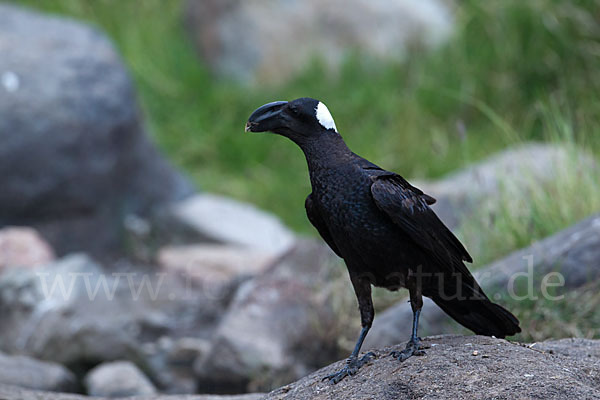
x=75 y=156
x=35 y=374
x=515 y=172
x=280 y=325
x=250 y=40
x=118 y=379
x=221 y=220
x=567 y=260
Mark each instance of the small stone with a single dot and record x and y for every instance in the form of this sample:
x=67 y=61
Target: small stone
x=475 y=352
x=30 y=373
x=186 y=350
x=118 y=379
x=23 y=247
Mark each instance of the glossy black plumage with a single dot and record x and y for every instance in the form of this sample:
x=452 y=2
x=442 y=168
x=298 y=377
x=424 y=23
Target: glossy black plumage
x=382 y=227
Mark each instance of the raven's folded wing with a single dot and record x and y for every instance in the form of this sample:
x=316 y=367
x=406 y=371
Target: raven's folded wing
x=408 y=208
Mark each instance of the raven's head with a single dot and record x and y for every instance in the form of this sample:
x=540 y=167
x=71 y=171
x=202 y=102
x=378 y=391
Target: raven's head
x=299 y=119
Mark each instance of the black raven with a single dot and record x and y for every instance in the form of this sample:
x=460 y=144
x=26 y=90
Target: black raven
x=382 y=227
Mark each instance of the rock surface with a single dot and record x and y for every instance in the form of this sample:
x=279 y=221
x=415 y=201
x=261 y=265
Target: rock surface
x=583 y=349
x=84 y=159
x=461 y=367
x=279 y=327
x=30 y=373
x=23 y=247
x=573 y=252
x=118 y=379
x=250 y=40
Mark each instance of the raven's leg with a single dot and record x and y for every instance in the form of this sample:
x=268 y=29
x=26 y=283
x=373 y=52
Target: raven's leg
x=412 y=347
x=362 y=288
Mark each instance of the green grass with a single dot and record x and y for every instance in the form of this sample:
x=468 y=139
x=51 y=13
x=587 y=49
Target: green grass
x=521 y=214
x=574 y=315
x=514 y=71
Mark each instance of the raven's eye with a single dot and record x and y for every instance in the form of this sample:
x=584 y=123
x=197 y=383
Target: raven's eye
x=294 y=110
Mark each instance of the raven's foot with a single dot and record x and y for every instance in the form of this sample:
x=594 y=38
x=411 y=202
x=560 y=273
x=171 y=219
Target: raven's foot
x=353 y=364
x=413 y=348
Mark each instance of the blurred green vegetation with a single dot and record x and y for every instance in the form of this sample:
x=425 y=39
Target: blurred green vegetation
x=487 y=88
x=513 y=71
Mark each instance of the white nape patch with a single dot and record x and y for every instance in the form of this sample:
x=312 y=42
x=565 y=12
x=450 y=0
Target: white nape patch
x=324 y=117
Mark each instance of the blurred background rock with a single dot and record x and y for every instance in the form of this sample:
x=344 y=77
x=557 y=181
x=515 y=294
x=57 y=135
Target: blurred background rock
x=114 y=115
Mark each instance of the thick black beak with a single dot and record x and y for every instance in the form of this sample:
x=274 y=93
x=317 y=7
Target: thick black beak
x=266 y=118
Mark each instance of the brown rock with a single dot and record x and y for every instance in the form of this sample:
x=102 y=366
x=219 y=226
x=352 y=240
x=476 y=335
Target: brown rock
x=215 y=269
x=23 y=247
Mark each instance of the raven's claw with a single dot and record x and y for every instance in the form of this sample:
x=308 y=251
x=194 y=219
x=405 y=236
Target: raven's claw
x=413 y=348
x=351 y=368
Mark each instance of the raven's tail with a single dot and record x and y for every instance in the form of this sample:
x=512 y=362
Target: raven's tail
x=471 y=308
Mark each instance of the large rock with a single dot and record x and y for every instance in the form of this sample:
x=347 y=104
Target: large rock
x=35 y=374
x=215 y=270
x=23 y=247
x=460 y=367
x=75 y=157
x=118 y=379
x=271 y=40
x=567 y=260
x=516 y=172
x=217 y=219
x=280 y=325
